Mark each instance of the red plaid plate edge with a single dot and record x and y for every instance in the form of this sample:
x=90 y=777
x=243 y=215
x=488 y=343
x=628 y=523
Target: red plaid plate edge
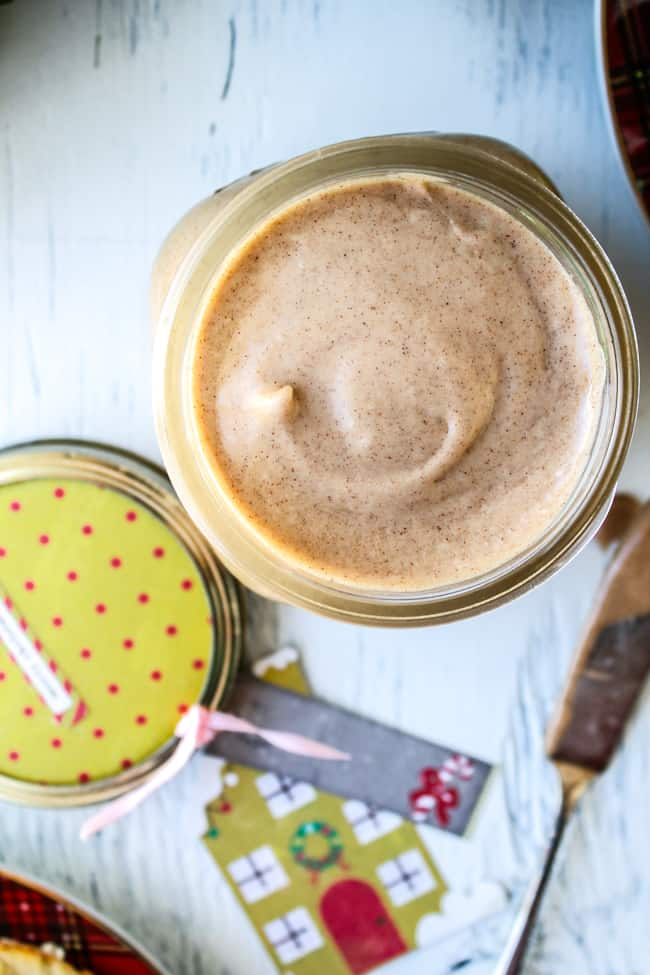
x=625 y=51
x=33 y=913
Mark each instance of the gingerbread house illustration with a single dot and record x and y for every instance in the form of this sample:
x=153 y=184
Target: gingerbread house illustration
x=331 y=884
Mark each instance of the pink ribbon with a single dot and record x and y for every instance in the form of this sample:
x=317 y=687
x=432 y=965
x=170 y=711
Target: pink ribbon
x=197 y=728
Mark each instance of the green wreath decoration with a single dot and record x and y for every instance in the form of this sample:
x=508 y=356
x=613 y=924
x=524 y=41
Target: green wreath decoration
x=298 y=846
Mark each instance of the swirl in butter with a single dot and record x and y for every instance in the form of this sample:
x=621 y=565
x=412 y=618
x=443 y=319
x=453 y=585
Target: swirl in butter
x=397 y=384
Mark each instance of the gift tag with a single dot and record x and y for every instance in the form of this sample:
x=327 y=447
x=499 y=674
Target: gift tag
x=333 y=884
x=387 y=769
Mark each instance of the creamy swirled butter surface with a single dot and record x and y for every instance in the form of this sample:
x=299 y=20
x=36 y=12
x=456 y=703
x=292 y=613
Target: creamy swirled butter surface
x=397 y=383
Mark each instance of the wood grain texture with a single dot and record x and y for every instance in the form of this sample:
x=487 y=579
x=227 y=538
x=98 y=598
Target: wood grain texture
x=116 y=116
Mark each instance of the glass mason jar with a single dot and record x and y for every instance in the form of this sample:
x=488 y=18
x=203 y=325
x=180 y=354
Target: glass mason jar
x=185 y=274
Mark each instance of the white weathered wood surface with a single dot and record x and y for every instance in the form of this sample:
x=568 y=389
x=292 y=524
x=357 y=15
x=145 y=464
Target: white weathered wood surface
x=115 y=117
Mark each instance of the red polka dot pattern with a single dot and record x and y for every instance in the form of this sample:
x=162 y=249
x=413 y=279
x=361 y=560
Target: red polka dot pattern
x=90 y=572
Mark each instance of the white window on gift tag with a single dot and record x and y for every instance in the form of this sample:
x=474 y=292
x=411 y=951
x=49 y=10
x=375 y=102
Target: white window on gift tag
x=406 y=877
x=369 y=823
x=293 y=935
x=258 y=874
x=282 y=794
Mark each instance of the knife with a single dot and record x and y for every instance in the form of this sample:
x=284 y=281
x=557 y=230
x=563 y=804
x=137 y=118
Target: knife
x=605 y=679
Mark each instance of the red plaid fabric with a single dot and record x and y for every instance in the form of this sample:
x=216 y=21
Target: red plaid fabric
x=627 y=30
x=33 y=917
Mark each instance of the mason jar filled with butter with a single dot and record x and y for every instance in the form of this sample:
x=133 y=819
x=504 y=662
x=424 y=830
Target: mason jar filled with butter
x=395 y=379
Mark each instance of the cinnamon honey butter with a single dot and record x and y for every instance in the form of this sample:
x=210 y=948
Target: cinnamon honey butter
x=396 y=384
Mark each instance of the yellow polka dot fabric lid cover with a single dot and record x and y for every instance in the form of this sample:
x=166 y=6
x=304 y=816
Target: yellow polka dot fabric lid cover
x=103 y=573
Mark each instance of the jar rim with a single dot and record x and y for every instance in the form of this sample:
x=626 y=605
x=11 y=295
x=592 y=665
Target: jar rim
x=477 y=170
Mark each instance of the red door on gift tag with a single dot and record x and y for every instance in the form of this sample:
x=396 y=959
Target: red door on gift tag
x=360 y=925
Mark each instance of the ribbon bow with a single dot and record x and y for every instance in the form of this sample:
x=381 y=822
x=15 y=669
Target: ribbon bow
x=195 y=729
